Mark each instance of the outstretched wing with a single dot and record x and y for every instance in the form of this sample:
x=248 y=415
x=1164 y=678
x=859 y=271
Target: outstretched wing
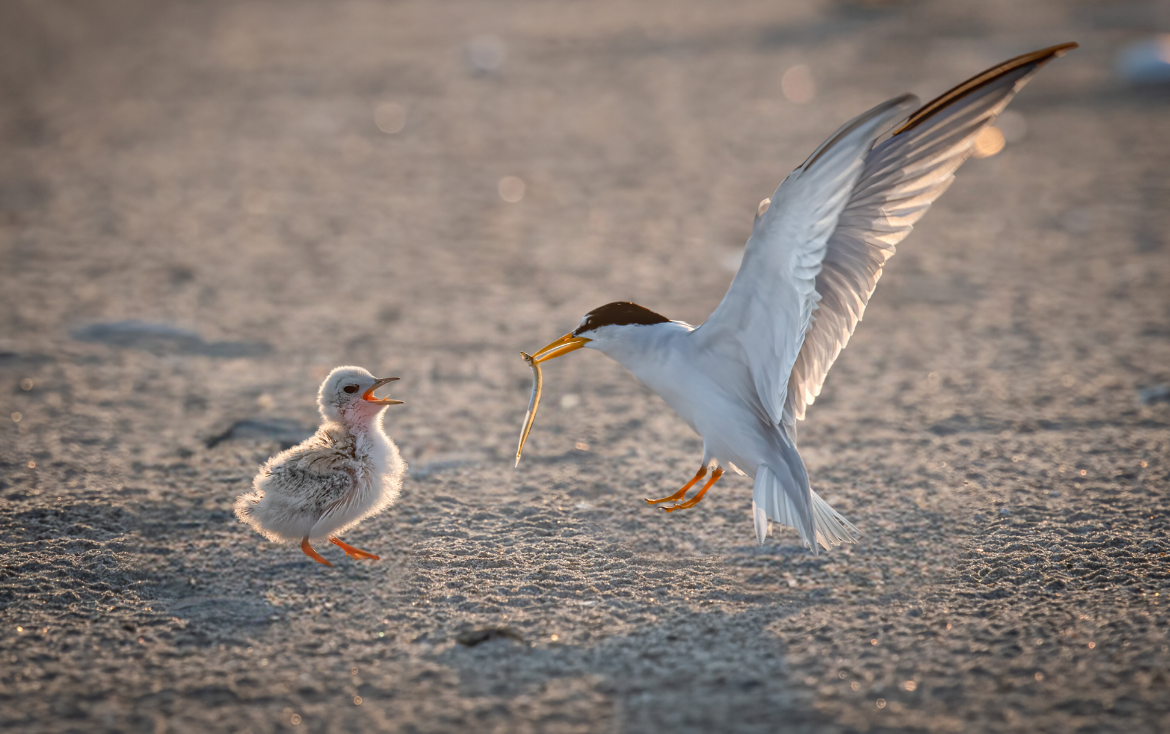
x=832 y=224
x=901 y=178
x=762 y=319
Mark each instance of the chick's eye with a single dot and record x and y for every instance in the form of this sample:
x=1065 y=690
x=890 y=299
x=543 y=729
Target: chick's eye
x=350 y=388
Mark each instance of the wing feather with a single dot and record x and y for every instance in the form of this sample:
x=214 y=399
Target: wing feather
x=902 y=176
x=816 y=252
x=763 y=318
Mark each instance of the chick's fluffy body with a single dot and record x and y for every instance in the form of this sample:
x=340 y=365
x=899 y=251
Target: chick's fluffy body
x=347 y=471
x=323 y=486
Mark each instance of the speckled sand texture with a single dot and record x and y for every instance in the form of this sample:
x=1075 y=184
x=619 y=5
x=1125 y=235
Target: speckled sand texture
x=208 y=184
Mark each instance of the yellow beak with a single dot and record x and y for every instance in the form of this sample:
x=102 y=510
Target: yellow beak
x=564 y=345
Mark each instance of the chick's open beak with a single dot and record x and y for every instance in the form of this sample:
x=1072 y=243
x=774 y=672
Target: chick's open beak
x=562 y=346
x=369 y=394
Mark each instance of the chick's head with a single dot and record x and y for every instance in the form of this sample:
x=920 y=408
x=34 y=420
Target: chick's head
x=347 y=395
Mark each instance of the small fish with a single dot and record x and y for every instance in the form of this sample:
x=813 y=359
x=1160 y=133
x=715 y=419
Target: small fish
x=533 y=402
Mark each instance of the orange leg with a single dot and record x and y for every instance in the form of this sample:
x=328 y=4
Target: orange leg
x=682 y=492
x=699 y=497
x=308 y=549
x=354 y=553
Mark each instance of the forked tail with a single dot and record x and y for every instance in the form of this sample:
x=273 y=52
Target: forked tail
x=791 y=502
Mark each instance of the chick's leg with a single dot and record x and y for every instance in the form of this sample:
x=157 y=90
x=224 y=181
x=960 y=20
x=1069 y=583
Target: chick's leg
x=355 y=553
x=682 y=492
x=308 y=549
x=699 y=497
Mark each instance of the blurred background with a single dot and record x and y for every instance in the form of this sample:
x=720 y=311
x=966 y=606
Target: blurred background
x=205 y=206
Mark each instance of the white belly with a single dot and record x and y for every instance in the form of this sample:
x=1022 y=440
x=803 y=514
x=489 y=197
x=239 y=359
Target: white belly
x=716 y=401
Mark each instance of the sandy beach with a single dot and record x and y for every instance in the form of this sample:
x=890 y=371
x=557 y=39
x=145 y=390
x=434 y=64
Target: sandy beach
x=204 y=207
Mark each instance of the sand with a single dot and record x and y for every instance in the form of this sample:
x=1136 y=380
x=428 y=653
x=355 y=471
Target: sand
x=200 y=216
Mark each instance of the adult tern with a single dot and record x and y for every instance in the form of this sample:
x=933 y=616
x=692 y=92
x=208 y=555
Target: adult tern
x=744 y=377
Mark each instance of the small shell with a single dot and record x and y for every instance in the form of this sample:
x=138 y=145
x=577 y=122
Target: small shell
x=533 y=403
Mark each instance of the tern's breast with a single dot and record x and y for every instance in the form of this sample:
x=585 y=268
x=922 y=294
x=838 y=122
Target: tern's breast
x=691 y=383
x=712 y=392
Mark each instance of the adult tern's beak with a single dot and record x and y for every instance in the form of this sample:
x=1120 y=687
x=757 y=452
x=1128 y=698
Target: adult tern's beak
x=562 y=346
x=369 y=394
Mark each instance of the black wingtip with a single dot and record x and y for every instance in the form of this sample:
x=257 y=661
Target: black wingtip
x=1035 y=58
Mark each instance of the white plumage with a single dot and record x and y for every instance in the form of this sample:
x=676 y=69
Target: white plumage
x=743 y=378
x=348 y=471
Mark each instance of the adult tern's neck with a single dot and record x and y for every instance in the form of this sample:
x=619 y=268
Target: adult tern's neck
x=638 y=347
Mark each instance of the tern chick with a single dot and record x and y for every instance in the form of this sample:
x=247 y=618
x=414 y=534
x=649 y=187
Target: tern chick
x=348 y=471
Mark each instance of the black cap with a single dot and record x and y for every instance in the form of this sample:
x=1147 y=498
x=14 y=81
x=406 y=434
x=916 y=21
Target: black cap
x=619 y=313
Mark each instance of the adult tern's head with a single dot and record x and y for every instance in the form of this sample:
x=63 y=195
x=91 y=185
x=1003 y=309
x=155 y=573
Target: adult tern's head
x=602 y=329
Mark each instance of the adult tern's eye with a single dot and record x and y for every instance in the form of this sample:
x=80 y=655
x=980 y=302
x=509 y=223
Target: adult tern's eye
x=350 y=388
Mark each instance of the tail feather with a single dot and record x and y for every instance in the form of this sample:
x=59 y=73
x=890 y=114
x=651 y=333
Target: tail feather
x=783 y=502
x=832 y=527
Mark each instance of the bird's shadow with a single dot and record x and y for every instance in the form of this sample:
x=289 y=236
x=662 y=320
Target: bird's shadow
x=726 y=663
x=240 y=586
